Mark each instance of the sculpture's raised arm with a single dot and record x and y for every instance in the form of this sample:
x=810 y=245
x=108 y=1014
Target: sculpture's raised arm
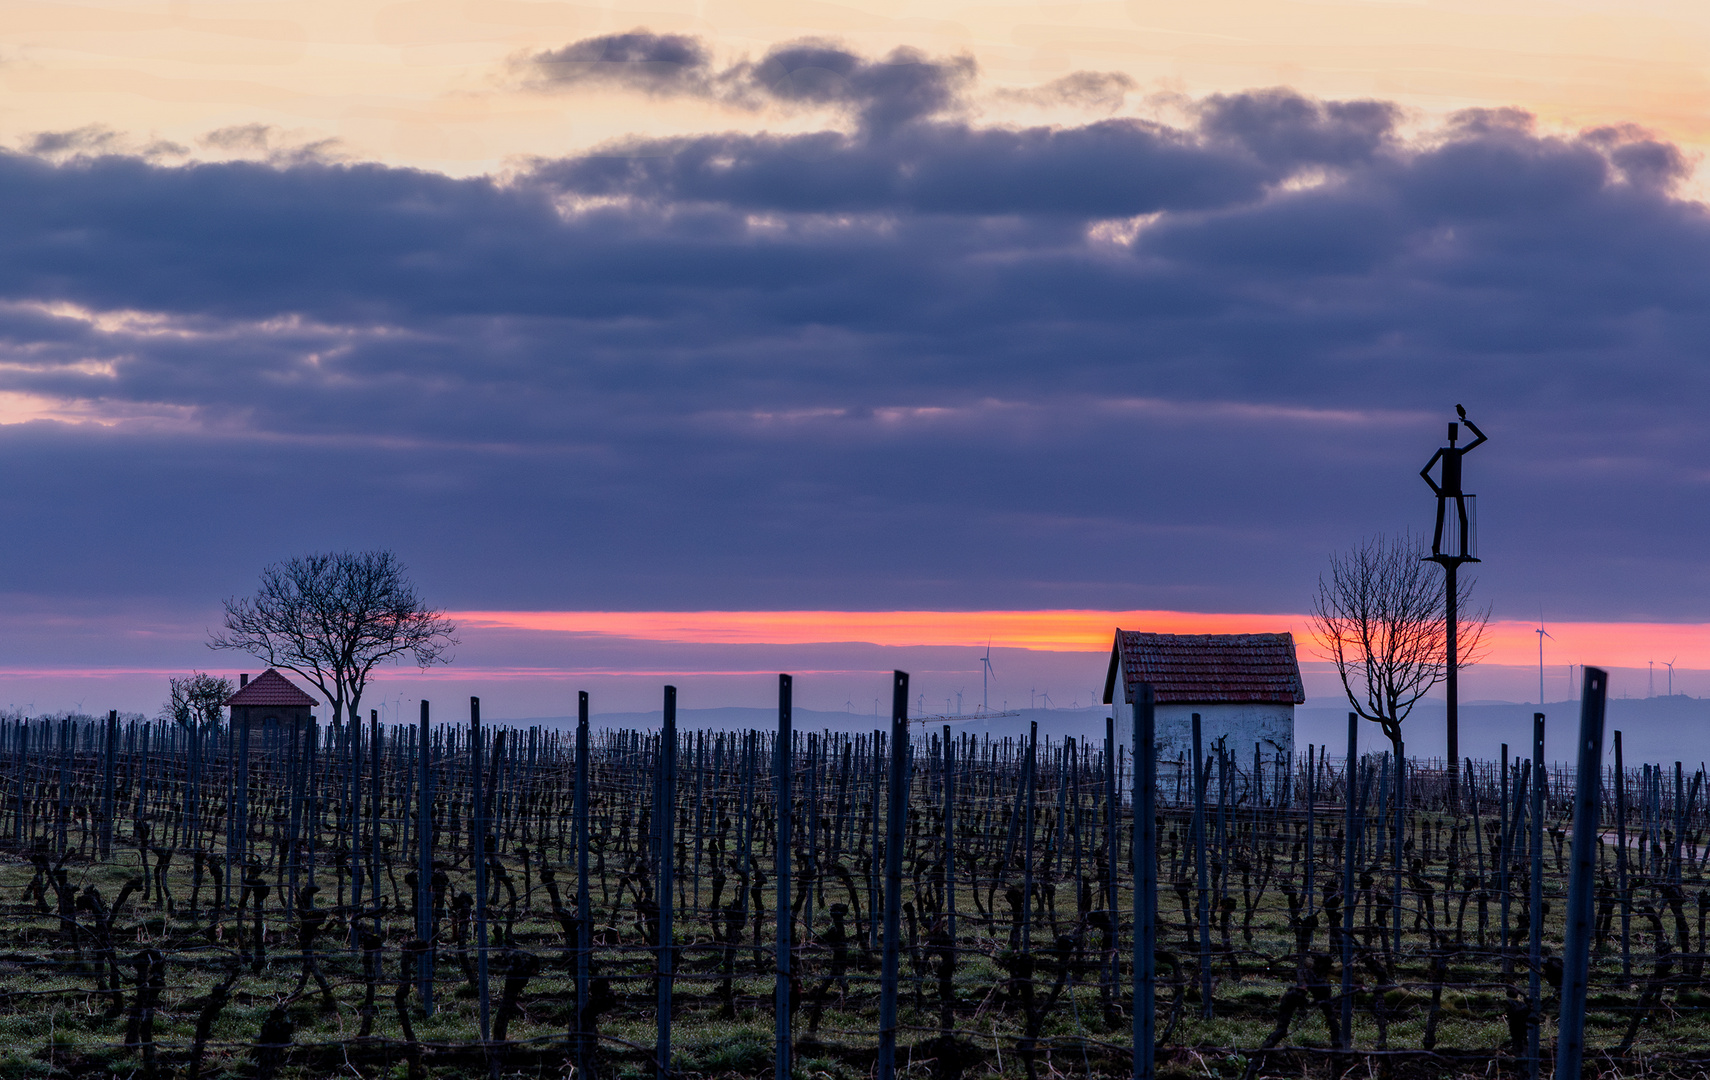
x=1472 y=427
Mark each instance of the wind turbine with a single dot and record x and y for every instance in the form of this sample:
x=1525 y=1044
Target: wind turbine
x=1670 y=665
x=1542 y=634
x=986 y=672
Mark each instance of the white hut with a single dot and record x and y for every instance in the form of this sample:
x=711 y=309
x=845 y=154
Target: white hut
x=1243 y=686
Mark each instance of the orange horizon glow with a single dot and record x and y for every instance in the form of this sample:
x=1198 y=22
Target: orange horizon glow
x=1506 y=642
x=1071 y=630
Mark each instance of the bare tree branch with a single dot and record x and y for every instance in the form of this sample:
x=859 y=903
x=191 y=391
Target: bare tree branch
x=196 y=701
x=1378 y=616
x=333 y=618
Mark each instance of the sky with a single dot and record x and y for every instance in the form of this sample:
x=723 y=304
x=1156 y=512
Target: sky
x=706 y=340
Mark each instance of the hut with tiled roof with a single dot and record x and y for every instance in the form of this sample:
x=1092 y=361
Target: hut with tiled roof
x=270 y=696
x=1243 y=686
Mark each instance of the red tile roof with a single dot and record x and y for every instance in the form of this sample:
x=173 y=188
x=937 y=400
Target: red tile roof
x=271 y=689
x=1207 y=668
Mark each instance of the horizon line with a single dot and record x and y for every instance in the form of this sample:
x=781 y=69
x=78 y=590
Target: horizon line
x=1508 y=642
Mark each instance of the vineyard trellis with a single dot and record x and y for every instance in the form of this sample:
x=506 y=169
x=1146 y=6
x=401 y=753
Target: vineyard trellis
x=219 y=901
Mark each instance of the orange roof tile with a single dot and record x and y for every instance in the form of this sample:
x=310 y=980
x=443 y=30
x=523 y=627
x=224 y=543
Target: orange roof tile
x=1208 y=668
x=271 y=689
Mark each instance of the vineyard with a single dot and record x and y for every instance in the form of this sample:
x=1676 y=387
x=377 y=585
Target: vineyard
x=456 y=899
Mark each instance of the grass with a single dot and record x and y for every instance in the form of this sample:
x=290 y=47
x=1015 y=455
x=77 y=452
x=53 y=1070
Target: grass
x=52 y=1022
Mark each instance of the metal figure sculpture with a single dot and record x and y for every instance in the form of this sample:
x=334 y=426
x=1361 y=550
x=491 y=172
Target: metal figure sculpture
x=1449 y=486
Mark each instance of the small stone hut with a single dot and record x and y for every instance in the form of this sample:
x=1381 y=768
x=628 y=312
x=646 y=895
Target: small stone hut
x=1243 y=686
x=270 y=696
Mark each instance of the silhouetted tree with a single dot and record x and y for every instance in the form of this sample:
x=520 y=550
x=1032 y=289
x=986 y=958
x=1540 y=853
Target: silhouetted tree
x=1378 y=617
x=197 y=701
x=332 y=618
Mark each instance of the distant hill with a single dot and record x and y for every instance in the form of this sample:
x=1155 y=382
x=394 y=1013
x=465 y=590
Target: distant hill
x=1053 y=723
x=1659 y=729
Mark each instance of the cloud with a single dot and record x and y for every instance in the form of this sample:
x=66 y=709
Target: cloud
x=91 y=138
x=903 y=86
x=267 y=143
x=881 y=93
x=1100 y=91
x=639 y=60
x=253 y=137
x=1286 y=128
x=923 y=362
x=1113 y=168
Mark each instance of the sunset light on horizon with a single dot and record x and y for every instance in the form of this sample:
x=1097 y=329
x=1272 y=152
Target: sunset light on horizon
x=1507 y=642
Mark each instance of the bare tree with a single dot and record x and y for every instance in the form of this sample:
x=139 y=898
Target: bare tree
x=1378 y=617
x=198 y=701
x=333 y=618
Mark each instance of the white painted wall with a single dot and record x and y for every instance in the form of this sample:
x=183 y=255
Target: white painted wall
x=1269 y=726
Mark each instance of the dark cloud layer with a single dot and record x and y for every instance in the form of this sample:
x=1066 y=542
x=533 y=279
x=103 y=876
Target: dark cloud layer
x=916 y=363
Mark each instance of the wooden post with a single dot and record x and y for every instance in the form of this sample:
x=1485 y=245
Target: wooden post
x=582 y=1024
x=20 y=777
x=1400 y=841
x=1621 y=863
x=1503 y=860
x=63 y=810
x=875 y=876
x=107 y=785
x=478 y=834
x=895 y=821
x=950 y=835
x=353 y=739
x=781 y=986
x=1110 y=817
x=311 y=810
x=375 y=744
x=197 y=738
x=1576 y=949
x=236 y=871
x=1311 y=833
x=666 y=813
x=1202 y=910
x=1145 y=882
x=1535 y=943
x=700 y=811
x=1111 y=980
x=424 y=864
x=1350 y=831
x=1030 y=789
x=1679 y=825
